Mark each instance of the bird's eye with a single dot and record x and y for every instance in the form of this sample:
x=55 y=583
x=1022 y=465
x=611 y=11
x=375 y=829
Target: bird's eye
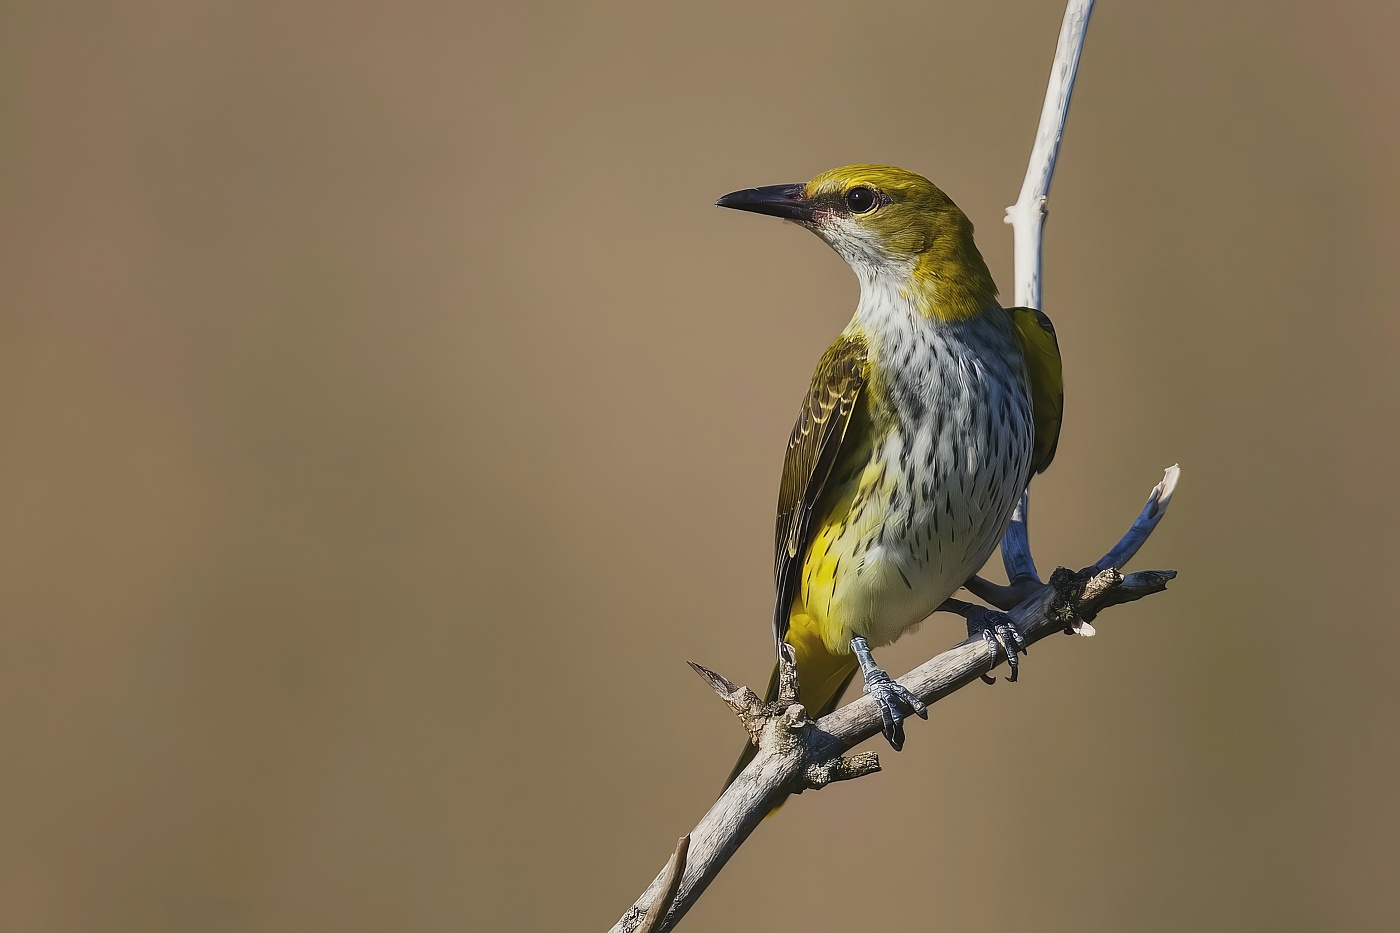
x=861 y=200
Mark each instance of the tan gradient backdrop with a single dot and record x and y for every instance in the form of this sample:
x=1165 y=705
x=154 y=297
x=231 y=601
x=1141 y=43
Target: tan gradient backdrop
x=387 y=415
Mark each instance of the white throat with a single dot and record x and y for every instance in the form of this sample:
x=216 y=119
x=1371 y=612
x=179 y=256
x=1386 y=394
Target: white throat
x=887 y=308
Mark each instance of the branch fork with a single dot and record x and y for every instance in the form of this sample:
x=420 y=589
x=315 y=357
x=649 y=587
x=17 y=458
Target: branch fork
x=783 y=729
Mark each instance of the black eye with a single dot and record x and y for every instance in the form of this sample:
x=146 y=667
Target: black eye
x=860 y=199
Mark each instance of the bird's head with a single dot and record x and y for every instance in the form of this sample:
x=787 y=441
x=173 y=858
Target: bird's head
x=887 y=223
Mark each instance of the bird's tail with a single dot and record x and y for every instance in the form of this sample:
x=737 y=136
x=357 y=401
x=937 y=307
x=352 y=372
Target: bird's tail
x=821 y=679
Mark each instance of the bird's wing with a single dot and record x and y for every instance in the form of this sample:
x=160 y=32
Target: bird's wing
x=812 y=450
x=1042 y=352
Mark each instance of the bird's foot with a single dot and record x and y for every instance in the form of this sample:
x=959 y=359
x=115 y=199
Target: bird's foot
x=892 y=697
x=1000 y=633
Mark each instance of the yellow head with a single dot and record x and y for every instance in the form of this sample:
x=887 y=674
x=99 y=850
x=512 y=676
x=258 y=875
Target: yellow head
x=888 y=223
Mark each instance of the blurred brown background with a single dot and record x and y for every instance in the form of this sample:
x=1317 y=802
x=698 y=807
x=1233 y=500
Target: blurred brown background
x=388 y=414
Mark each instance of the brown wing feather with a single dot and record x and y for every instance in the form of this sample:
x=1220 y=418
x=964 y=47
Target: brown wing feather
x=812 y=449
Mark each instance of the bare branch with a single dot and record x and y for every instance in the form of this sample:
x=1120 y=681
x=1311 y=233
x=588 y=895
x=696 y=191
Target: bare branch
x=841 y=769
x=1027 y=215
x=1027 y=220
x=1016 y=547
x=1152 y=512
x=670 y=884
x=796 y=754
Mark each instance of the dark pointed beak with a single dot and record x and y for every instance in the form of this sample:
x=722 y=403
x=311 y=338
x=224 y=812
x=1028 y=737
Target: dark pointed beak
x=784 y=201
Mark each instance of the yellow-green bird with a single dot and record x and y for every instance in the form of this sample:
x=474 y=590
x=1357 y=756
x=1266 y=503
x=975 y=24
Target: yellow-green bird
x=922 y=426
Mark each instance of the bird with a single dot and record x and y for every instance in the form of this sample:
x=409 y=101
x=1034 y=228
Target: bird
x=919 y=432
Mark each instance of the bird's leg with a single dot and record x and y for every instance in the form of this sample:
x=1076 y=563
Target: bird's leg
x=890 y=695
x=1000 y=633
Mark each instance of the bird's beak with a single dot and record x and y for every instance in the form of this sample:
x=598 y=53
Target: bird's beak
x=786 y=201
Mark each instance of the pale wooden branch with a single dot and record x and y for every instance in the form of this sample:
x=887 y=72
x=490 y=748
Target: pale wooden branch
x=670 y=883
x=1027 y=215
x=1027 y=220
x=796 y=754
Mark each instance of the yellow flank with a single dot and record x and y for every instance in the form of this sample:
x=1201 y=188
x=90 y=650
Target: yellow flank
x=831 y=554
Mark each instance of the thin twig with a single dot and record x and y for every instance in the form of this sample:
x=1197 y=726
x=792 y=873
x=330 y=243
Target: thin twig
x=1027 y=220
x=670 y=884
x=1152 y=512
x=1016 y=547
x=1027 y=215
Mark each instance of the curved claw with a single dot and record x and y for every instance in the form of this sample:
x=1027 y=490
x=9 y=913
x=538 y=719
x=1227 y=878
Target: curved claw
x=891 y=723
x=996 y=640
x=893 y=699
x=1002 y=636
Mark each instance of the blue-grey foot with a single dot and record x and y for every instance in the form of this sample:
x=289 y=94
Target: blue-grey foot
x=892 y=697
x=1000 y=633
